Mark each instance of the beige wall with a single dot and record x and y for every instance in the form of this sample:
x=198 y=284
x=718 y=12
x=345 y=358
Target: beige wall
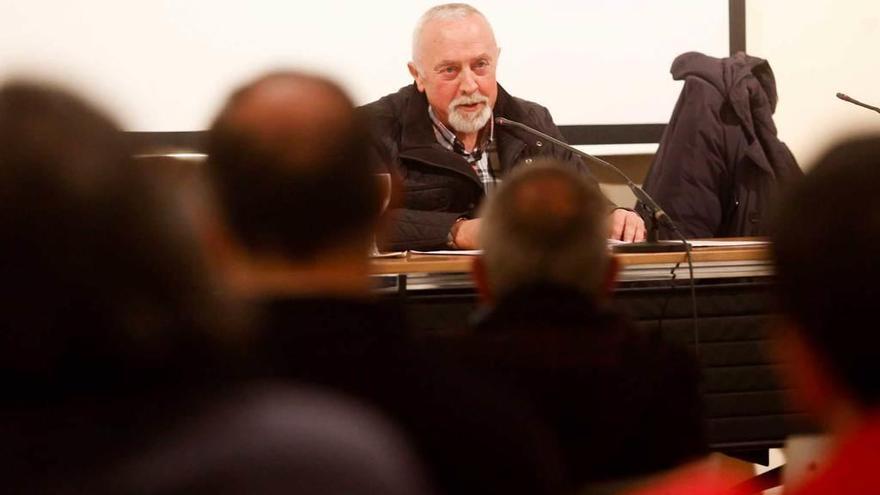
x=165 y=66
x=816 y=49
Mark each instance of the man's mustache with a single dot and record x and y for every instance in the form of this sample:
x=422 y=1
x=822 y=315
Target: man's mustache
x=468 y=100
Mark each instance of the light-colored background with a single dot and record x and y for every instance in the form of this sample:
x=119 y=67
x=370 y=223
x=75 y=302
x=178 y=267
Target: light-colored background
x=816 y=49
x=165 y=65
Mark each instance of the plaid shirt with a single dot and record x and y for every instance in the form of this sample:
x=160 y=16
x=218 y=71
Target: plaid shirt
x=478 y=158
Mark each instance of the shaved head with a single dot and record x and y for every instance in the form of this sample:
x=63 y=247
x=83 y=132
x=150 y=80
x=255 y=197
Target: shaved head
x=297 y=116
x=291 y=163
x=442 y=13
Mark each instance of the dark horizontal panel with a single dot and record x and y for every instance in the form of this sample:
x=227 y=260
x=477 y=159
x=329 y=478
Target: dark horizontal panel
x=162 y=142
x=612 y=133
x=761 y=378
x=147 y=142
x=714 y=355
x=771 y=429
x=714 y=329
x=738 y=404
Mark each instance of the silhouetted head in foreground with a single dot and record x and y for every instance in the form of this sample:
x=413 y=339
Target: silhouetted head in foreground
x=546 y=225
x=827 y=233
x=289 y=160
x=103 y=288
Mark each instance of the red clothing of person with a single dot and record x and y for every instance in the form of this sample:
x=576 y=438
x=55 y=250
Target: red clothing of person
x=854 y=465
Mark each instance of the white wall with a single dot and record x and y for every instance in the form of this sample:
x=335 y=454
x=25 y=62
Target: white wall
x=165 y=65
x=816 y=49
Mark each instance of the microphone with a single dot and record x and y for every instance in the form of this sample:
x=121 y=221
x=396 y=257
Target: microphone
x=660 y=216
x=857 y=102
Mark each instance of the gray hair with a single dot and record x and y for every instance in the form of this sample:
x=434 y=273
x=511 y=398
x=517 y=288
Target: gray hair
x=445 y=11
x=545 y=224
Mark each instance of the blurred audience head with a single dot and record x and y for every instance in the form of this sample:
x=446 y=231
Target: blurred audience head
x=545 y=225
x=288 y=157
x=278 y=440
x=827 y=233
x=102 y=285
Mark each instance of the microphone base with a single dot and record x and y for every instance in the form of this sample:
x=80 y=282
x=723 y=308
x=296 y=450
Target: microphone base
x=649 y=247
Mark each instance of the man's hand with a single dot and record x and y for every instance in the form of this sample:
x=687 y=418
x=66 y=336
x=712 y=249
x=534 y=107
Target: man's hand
x=627 y=226
x=465 y=234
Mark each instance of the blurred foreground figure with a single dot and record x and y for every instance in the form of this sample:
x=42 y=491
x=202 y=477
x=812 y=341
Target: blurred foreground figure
x=114 y=352
x=826 y=233
x=109 y=318
x=289 y=160
x=825 y=243
x=622 y=404
x=278 y=441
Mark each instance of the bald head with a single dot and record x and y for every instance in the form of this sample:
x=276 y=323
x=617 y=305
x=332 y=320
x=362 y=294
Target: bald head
x=295 y=116
x=282 y=152
x=435 y=20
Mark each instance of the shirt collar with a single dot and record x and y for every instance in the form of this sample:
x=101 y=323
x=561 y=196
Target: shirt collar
x=450 y=140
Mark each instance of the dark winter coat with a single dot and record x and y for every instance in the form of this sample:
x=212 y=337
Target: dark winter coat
x=439 y=186
x=720 y=164
x=622 y=402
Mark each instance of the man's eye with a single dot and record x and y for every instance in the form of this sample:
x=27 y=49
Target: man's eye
x=448 y=70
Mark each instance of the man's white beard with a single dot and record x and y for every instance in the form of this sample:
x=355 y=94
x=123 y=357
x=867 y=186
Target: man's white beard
x=469 y=122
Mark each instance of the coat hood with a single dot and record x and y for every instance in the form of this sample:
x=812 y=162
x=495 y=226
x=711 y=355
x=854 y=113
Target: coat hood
x=728 y=75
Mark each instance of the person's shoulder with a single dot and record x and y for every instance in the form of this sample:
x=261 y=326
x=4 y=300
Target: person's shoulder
x=528 y=105
x=521 y=109
x=385 y=119
x=390 y=105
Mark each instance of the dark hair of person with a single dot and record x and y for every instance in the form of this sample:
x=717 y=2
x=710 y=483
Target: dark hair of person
x=826 y=241
x=103 y=286
x=305 y=190
x=546 y=224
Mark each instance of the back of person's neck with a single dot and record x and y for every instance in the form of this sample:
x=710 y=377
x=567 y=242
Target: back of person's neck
x=342 y=273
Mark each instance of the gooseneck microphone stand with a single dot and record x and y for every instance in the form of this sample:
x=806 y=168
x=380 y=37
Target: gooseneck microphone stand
x=854 y=101
x=658 y=216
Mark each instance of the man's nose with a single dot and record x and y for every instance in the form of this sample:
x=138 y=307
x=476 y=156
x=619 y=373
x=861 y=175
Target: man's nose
x=468 y=83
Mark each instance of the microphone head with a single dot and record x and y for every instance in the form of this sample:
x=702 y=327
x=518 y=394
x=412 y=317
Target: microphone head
x=500 y=120
x=844 y=97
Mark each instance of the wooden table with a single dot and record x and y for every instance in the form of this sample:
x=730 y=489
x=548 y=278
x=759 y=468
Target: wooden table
x=746 y=409
x=749 y=258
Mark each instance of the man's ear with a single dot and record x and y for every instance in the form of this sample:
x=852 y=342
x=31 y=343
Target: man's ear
x=481 y=279
x=609 y=280
x=414 y=72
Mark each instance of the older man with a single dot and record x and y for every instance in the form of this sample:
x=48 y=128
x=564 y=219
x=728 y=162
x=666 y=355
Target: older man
x=438 y=134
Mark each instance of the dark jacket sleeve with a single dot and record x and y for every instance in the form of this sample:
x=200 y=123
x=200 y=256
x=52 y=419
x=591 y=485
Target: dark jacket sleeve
x=542 y=117
x=409 y=228
x=689 y=168
x=419 y=230
x=544 y=123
